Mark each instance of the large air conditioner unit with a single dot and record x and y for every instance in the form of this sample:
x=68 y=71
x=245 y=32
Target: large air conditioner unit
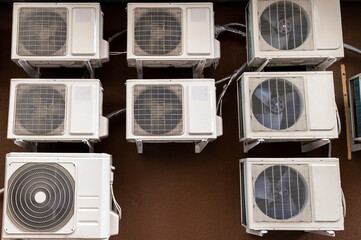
x=298 y=194
x=294 y=32
x=56 y=110
x=171 y=34
x=286 y=106
x=58 y=196
x=58 y=34
x=178 y=110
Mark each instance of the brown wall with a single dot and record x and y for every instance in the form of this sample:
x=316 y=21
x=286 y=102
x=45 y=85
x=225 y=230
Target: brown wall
x=169 y=192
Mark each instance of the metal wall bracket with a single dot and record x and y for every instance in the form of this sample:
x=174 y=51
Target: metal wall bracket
x=199 y=146
x=139 y=66
x=248 y=145
x=198 y=68
x=32 y=72
x=90 y=145
x=324 y=64
x=90 y=69
x=139 y=144
x=29 y=146
x=328 y=233
x=263 y=65
x=309 y=146
x=259 y=233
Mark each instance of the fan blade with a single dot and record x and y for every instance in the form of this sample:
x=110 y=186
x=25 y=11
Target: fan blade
x=293 y=107
x=282 y=209
x=263 y=188
x=271 y=120
x=263 y=94
x=283 y=42
x=284 y=181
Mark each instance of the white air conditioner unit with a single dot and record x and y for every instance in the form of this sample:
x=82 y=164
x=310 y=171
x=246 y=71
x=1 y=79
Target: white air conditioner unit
x=56 y=110
x=171 y=34
x=286 y=106
x=181 y=110
x=354 y=86
x=298 y=194
x=294 y=32
x=58 y=196
x=58 y=34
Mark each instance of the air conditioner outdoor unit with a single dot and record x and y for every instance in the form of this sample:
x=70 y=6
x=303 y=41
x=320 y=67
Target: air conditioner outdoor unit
x=354 y=86
x=58 y=196
x=58 y=34
x=56 y=110
x=298 y=194
x=171 y=34
x=286 y=106
x=176 y=110
x=294 y=32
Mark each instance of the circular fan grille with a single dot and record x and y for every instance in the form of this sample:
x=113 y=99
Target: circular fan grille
x=40 y=197
x=158 y=110
x=284 y=25
x=280 y=192
x=43 y=32
x=158 y=32
x=276 y=104
x=40 y=109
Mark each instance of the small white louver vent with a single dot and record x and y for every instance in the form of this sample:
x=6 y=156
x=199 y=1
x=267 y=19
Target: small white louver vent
x=285 y=25
x=40 y=109
x=42 y=32
x=158 y=109
x=280 y=192
x=277 y=104
x=158 y=31
x=40 y=197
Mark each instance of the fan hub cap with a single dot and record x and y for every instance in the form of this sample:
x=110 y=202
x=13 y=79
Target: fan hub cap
x=284 y=26
x=277 y=105
x=40 y=197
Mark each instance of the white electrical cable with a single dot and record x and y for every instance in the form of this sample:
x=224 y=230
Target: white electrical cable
x=117 y=206
x=115 y=113
x=352 y=48
x=116 y=53
x=236 y=24
x=2 y=190
x=338 y=120
x=116 y=35
x=223 y=80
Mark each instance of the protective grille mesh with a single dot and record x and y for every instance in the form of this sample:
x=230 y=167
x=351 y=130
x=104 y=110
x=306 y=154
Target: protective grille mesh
x=42 y=31
x=277 y=104
x=40 y=109
x=49 y=212
x=158 y=31
x=284 y=25
x=280 y=192
x=158 y=110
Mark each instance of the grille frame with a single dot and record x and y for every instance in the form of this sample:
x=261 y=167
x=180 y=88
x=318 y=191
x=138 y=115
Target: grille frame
x=298 y=83
x=175 y=12
x=66 y=225
x=18 y=127
x=61 y=12
x=178 y=128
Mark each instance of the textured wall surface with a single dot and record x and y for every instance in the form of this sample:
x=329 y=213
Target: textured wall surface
x=169 y=192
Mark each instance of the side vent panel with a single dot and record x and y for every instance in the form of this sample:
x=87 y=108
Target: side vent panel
x=198 y=27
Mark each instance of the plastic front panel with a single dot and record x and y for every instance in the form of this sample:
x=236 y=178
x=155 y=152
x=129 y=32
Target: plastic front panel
x=84 y=31
x=199 y=32
x=326 y=192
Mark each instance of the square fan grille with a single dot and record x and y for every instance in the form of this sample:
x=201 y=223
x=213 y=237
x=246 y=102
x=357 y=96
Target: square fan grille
x=285 y=24
x=277 y=104
x=356 y=101
x=281 y=193
x=42 y=31
x=158 y=110
x=157 y=31
x=40 y=109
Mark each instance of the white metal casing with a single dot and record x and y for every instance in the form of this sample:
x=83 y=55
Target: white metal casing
x=83 y=120
x=199 y=118
x=317 y=119
x=323 y=41
x=197 y=36
x=92 y=175
x=322 y=211
x=84 y=37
